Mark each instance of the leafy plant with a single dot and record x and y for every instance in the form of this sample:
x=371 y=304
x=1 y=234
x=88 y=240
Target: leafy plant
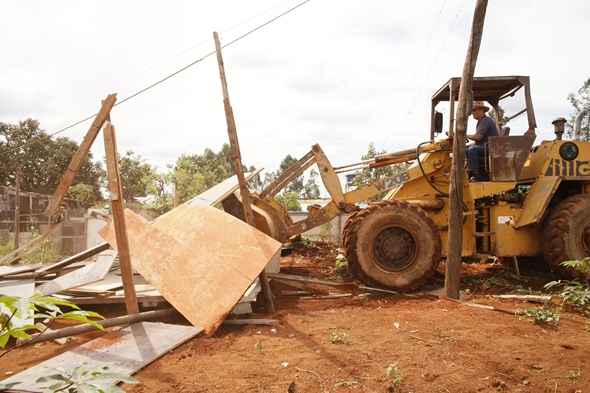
x=341 y=265
x=573 y=292
x=14 y=310
x=84 y=380
x=393 y=373
x=543 y=316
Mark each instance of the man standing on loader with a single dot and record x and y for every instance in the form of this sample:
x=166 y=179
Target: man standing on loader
x=486 y=127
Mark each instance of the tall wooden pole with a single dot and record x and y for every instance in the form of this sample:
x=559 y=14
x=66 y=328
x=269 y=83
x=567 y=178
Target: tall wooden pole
x=116 y=191
x=236 y=160
x=17 y=208
x=455 y=244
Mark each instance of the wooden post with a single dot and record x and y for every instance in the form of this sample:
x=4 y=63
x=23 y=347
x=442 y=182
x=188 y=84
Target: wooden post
x=236 y=161
x=116 y=190
x=17 y=208
x=455 y=242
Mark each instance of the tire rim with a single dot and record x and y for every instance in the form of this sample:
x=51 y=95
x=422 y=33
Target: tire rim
x=394 y=249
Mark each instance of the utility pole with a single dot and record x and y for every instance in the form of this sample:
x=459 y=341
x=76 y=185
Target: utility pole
x=17 y=208
x=455 y=242
x=236 y=161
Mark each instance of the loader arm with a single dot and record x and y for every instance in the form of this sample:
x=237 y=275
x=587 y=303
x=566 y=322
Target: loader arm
x=346 y=202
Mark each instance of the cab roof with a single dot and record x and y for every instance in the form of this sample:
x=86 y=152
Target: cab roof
x=485 y=88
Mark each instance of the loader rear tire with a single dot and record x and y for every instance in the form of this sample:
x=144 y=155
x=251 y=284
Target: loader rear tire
x=567 y=233
x=392 y=244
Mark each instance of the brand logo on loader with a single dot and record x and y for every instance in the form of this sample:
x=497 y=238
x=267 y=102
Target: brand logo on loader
x=559 y=167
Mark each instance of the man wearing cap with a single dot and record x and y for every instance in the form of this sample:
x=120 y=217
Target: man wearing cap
x=486 y=127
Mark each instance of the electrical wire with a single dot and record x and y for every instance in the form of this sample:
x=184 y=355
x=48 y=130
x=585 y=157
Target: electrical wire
x=186 y=67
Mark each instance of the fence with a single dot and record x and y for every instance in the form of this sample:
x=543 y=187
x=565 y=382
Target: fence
x=70 y=236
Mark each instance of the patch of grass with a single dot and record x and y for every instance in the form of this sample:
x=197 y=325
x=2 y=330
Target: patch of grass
x=543 y=316
x=337 y=336
x=46 y=253
x=573 y=375
x=6 y=248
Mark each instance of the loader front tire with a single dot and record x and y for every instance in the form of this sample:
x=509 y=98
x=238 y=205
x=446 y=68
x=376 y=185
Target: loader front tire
x=392 y=244
x=567 y=233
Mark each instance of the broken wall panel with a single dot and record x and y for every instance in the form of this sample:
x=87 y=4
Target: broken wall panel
x=201 y=259
x=124 y=351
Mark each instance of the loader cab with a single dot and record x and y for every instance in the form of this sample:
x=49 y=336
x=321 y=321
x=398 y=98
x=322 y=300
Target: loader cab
x=507 y=153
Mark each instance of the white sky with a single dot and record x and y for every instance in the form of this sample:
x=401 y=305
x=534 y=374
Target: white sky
x=338 y=73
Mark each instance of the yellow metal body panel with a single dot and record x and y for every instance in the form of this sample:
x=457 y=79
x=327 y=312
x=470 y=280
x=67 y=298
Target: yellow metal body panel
x=537 y=200
x=508 y=240
x=482 y=189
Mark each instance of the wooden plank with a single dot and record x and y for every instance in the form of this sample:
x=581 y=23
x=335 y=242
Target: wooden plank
x=81 y=256
x=79 y=156
x=116 y=191
x=92 y=272
x=19 y=269
x=124 y=351
x=455 y=238
x=201 y=259
x=236 y=160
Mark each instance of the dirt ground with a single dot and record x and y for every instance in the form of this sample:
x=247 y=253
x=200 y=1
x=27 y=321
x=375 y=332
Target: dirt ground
x=346 y=345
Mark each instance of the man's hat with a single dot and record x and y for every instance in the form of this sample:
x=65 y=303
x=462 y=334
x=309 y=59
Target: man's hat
x=480 y=105
x=559 y=120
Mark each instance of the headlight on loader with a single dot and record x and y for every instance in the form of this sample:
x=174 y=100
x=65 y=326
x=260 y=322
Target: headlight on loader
x=569 y=151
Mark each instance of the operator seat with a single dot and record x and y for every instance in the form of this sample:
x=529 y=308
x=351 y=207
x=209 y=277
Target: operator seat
x=506 y=156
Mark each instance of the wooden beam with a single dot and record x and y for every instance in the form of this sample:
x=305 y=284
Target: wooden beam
x=236 y=160
x=79 y=156
x=455 y=241
x=116 y=190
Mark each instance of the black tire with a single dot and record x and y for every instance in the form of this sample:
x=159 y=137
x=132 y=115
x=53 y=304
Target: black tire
x=392 y=244
x=566 y=233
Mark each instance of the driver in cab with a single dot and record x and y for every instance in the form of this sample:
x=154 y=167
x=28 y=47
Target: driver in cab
x=486 y=127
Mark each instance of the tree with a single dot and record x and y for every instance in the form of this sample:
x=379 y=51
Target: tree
x=581 y=101
x=136 y=176
x=195 y=173
x=371 y=175
x=290 y=201
x=311 y=190
x=43 y=160
x=83 y=194
x=296 y=185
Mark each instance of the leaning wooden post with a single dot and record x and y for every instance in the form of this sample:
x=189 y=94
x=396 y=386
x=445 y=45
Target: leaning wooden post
x=236 y=161
x=116 y=191
x=455 y=242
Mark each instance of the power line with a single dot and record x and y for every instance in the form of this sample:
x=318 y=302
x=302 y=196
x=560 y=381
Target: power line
x=186 y=67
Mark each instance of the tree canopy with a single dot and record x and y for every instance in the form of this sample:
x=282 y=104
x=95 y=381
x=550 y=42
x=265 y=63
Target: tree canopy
x=580 y=100
x=43 y=160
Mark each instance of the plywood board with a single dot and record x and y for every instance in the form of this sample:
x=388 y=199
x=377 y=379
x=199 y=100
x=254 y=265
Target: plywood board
x=17 y=269
x=124 y=351
x=90 y=273
x=201 y=259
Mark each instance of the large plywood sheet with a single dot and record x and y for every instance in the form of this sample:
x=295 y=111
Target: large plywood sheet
x=201 y=259
x=124 y=351
x=90 y=273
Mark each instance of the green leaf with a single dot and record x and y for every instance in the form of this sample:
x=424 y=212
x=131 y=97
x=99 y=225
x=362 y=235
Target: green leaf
x=20 y=334
x=4 y=339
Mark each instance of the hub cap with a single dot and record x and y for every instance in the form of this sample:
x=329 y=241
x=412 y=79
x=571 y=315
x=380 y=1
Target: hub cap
x=395 y=249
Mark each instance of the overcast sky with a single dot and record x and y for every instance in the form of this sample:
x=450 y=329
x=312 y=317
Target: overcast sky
x=338 y=73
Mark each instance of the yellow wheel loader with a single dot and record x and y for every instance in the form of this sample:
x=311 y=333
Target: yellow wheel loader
x=537 y=201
